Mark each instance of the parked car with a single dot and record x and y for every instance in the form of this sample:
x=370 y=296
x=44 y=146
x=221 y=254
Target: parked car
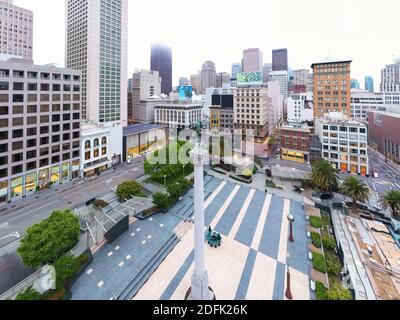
x=298 y=189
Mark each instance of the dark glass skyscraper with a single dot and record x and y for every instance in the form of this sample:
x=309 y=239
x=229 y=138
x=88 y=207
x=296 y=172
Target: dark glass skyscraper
x=161 y=61
x=280 y=60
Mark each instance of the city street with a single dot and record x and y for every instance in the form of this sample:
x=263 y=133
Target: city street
x=20 y=215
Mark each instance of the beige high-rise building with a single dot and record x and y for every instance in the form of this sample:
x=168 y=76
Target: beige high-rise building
x=195 y=83
x=251 y=110
x=16 y=30
x=300 y=77
x=97 y=44
x=208 y=76
x=145 y=85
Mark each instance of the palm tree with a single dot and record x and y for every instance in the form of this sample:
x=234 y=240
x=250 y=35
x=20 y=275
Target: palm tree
x=391 y=201
x=324 y=176
x=353 y=188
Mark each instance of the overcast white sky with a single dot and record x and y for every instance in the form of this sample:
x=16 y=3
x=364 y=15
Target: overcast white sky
x=218 y=30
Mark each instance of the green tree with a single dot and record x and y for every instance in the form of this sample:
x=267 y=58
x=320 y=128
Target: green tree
x=337 y=292
x=353 y=188
x=161 y=200
x=47 y=241
x=391 y=201
x=172 y=168
x=129 y=189
x=324 y=176
x=272 y=141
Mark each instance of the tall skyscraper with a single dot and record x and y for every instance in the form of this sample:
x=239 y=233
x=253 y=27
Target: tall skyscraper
x=236 y=68
x=208 y=76
x=280 y=60
x=161 y=61
x=332 y=87
x=354 y=84
x=97 y=44
x=16 y=30
x=390 y=78
x=369 y=84
x=266 y=71
x=223 y=78
x=252 y=60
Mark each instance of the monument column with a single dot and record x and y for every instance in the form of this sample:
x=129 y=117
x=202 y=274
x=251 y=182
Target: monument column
x=200 y=289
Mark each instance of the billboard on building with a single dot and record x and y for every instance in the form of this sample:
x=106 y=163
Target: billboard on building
x=185 y=92
x=250 y=78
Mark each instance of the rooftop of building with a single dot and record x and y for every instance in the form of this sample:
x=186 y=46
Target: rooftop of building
x=387 y=113
x=296 y=125
x=8 y=61
x=339 y=118
x=331 y=61
x=141 y=128
x=379 y=255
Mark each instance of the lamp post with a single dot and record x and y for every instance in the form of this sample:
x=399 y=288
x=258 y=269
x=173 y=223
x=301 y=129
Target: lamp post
x=165 y=181
x=288 y=293
x=183 y=170
x=291 y=221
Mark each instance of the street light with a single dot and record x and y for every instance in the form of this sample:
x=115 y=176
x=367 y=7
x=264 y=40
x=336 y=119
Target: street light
x=288 y=293
x=291 y=221
x=183 y=170
x=165 y=181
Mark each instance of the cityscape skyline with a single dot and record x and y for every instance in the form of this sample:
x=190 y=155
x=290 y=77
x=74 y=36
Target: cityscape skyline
x=343 y=40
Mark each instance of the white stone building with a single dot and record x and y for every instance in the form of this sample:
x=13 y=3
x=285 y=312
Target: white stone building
x=101 y=147
x=282 y=78
x=344 y=143
x=178 y=114
x=300 y=107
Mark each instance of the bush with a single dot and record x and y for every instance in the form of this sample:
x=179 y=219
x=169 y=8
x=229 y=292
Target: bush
x=29 y=294
x=49 y=240
x=66 y=267
x=99 y=203
x=161 y=200
x=320 y=291
x=319 y=262
x=333 y=264
x=177 y=189
x=316 y=222
x=316 y=239
x=328 y=241
x=129 y=189
x=337 y=292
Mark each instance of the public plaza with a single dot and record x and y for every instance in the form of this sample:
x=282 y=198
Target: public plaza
x=155 y=259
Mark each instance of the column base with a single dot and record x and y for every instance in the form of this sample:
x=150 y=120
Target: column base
x=200 y=291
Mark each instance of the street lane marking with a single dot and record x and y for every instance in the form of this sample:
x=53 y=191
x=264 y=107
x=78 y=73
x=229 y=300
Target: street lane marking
x=100 y=284
x=373 y=183
x=128 y=257
x=109 y=181
x=89 y=272
x=121 y=264
x=110 y=254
